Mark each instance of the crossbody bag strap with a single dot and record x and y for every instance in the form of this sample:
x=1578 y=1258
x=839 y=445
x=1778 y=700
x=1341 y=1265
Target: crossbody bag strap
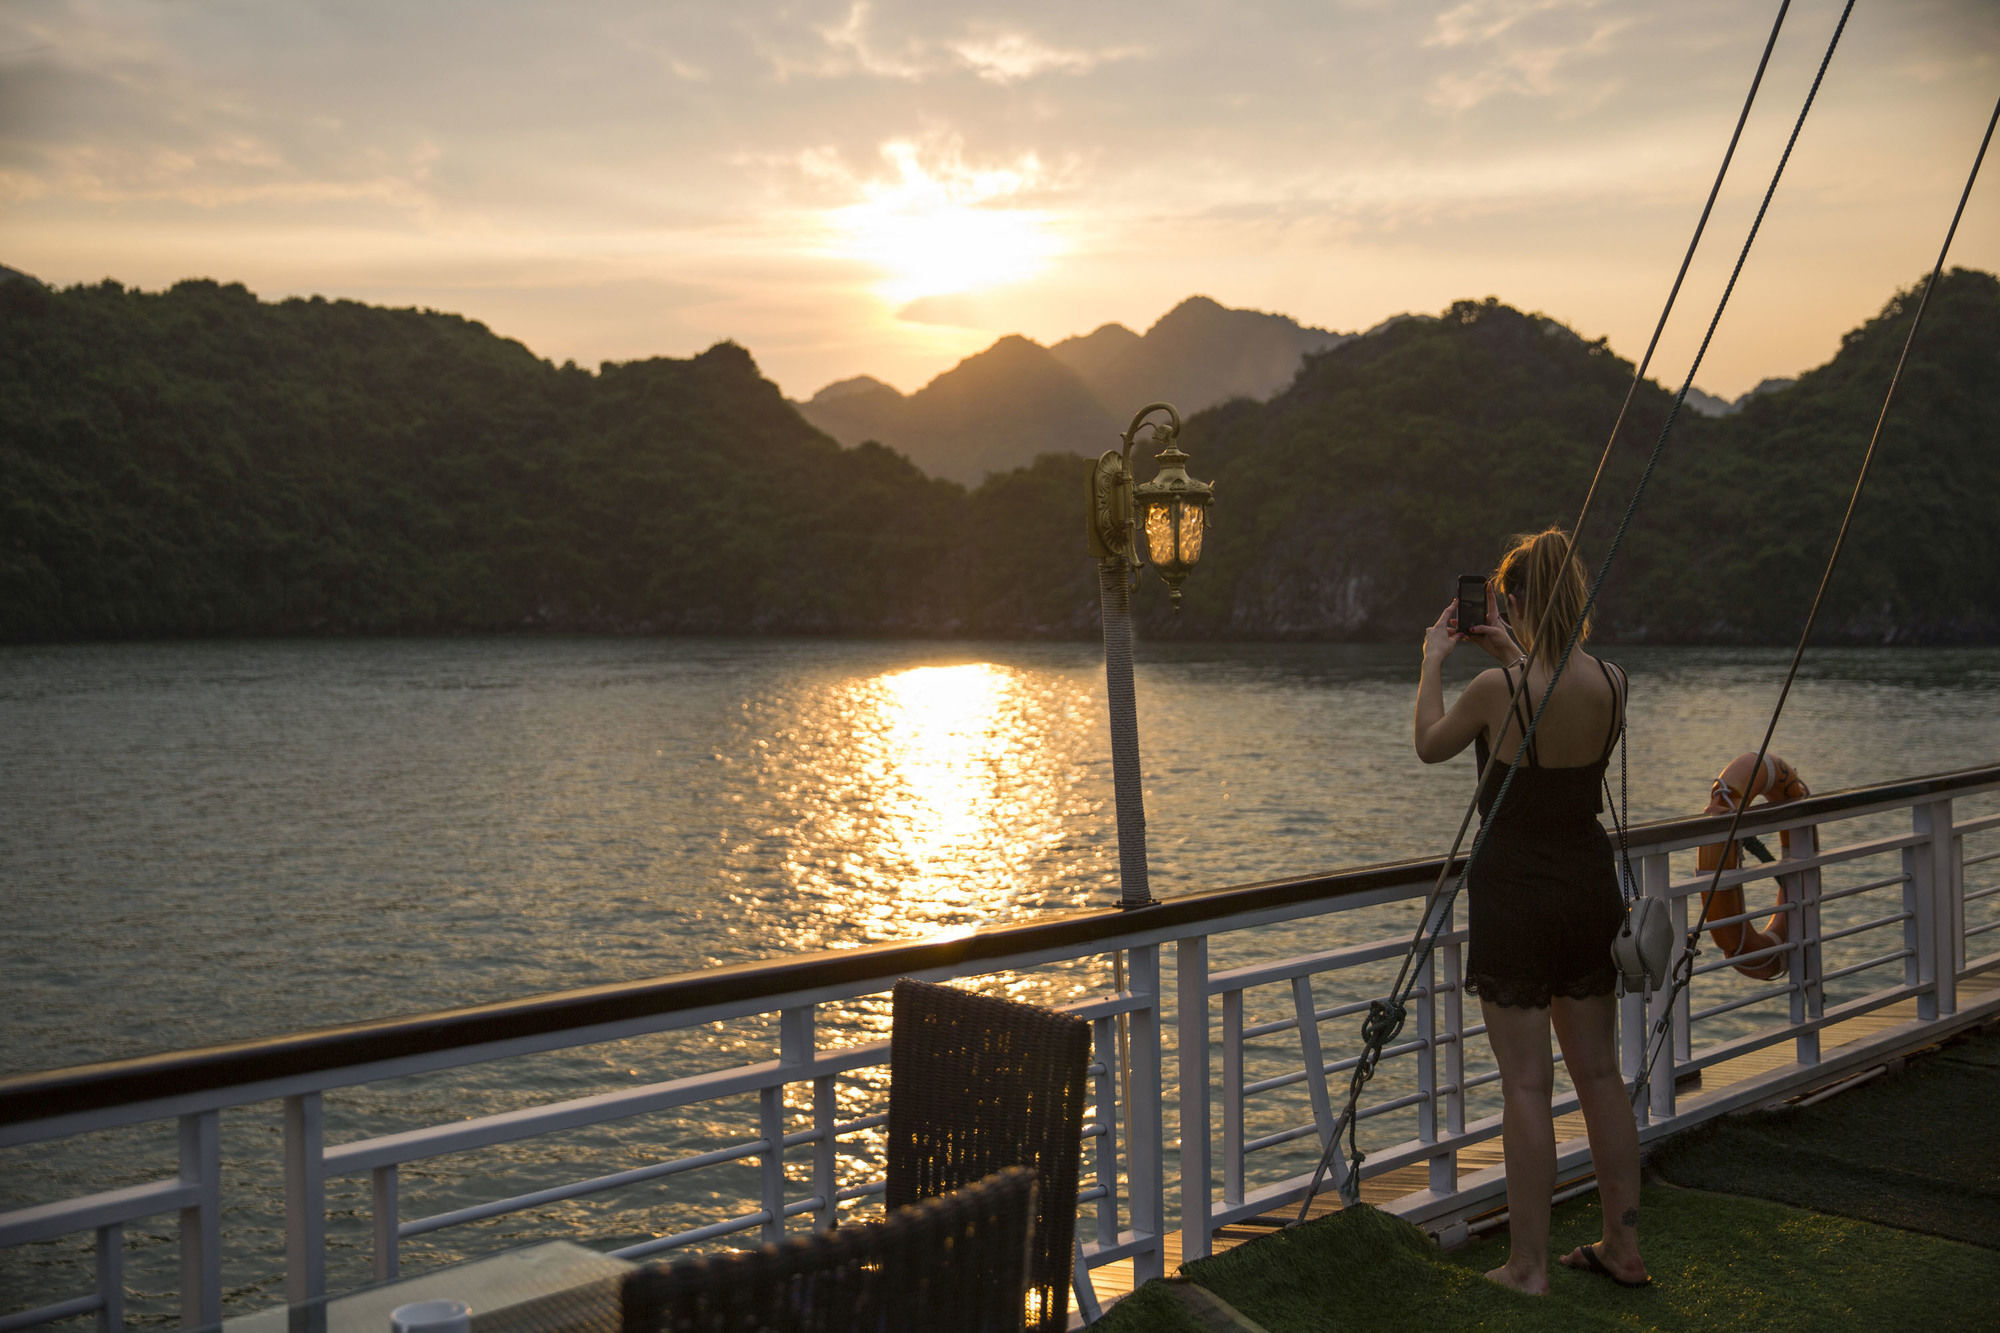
x=1628 y=883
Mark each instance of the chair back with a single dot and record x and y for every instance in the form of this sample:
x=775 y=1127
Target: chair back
x=958 y=1262
x=979 y=1084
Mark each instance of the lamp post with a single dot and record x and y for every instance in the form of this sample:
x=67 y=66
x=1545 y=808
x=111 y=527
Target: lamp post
x=1172 y=511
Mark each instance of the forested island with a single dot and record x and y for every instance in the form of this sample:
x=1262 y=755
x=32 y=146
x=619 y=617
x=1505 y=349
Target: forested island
x=200 y=462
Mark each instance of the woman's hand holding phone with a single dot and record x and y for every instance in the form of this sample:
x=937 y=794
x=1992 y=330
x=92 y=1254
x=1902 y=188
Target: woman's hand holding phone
x=1494 y=636
x=1443 y=635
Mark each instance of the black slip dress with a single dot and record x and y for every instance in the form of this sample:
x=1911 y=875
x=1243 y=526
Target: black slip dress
x=1542 y=898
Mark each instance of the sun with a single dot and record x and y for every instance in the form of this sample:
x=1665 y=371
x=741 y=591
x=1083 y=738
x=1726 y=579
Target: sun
x=945 y=230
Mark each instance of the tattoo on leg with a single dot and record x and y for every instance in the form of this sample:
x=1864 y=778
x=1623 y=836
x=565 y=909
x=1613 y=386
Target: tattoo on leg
x=1631 y=1217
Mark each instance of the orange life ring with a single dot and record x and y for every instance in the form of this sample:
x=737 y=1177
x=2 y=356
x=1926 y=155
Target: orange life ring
x=1743 y=779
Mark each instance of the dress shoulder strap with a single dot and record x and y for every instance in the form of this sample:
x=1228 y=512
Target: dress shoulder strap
x=1619 y=687
x=1520 y=712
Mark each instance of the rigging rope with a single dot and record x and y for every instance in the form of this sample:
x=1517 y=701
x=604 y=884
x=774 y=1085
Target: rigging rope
x=1683 y=973
x=1386 y=1016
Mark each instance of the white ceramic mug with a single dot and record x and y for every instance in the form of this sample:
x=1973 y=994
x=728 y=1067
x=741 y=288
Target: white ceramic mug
x=431 y=1317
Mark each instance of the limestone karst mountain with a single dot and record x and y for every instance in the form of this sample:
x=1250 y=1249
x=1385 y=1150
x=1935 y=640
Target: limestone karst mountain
x=1002 y=407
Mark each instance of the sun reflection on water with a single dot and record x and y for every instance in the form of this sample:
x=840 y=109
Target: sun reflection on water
x=921 y=802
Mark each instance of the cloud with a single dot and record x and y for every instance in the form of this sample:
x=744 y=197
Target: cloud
x=826 y=164
x=1479 y=21
x=1011 y=57
x=931 y=169
x=1520 y=47
x=1001 y=53
x=854 y=49
x=958 y=310
x=118 y=117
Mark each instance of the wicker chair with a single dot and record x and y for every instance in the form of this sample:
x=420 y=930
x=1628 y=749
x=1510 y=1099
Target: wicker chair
x=957 y=1262
x=979 y=1084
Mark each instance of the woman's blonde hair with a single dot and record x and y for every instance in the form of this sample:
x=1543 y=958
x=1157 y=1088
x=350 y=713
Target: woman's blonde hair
x=1537 y=570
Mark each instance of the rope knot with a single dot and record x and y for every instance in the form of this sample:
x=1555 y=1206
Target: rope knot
x=1384 y=1021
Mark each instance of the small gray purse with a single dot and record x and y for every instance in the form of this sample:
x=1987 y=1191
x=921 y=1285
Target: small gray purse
x=1643 y=947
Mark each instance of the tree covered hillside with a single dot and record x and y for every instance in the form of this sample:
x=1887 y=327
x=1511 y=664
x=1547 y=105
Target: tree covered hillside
x=200 y=462
x=1398 y=461
x=1347 y=505
x=1732 y=544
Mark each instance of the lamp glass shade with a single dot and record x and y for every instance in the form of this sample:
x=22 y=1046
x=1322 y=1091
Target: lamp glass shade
x=1190 y=528
x=1160 y=533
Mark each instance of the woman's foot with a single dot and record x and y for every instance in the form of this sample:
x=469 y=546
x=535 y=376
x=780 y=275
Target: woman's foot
x=1529 y=1284
x=1627 y=1270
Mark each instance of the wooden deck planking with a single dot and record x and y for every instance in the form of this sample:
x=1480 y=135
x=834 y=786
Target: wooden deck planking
x=1115 y=1280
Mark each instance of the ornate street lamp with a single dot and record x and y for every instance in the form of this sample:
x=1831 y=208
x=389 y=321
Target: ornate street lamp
x=1172 y=507
x=1172 y=510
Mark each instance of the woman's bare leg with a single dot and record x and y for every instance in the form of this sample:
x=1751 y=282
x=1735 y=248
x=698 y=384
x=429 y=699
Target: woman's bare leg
x=1520 y=1041
x=1588 y=1031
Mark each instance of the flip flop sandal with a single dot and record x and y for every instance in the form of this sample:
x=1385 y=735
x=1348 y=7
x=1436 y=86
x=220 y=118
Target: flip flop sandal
x=1593 y=1264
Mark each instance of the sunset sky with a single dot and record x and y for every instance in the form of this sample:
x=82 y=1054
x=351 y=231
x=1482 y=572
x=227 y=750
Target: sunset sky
x=886 y=187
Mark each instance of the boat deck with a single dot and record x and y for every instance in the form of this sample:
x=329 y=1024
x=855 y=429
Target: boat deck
x=1115 y=1280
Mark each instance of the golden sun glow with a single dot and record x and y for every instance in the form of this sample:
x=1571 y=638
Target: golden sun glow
x=911 y=803
x=943 y=230
x=948 y=733
x=927 y=798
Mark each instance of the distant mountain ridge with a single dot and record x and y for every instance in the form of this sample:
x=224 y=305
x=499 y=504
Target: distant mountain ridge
x=1710 y=406
x=1000 y=408
x=197 y=461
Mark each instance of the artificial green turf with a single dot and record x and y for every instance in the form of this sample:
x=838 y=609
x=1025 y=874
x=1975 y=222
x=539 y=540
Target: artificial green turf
x=1915 y=1150
x=1153 y=1309
x=1723 y=1261
x=1718 y=1261
x=1914 y=1153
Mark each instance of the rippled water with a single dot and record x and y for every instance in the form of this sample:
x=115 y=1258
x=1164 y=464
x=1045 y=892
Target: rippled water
x=209 y=841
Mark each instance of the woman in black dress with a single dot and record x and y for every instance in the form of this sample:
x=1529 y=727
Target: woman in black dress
x=1542 y=900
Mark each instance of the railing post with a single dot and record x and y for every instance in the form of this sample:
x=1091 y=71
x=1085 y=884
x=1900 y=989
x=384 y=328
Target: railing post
x=1914 y=915
x=1144 y=1165
x=1313 y=1057
x=1191 y=1010
x=305 y=1198
x=1655 y=875
x=1443 y=1175
x=1809 y=990
x=826 y=1153
x=1104 y=1155
x=1454 y=1022
x=384 y=1187
x=795 y=1049
x=797 y=1045
x=1938 y=910
x=111 y=1279
x=1957 y=905
x=201 y=1224
x=1232 y=1097
x=1633 y=1032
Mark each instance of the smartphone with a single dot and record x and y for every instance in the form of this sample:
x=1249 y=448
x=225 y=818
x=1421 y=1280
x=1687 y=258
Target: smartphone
x=1471 y=602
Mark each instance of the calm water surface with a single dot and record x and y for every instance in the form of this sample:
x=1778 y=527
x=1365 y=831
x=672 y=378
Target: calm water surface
x=210 y=841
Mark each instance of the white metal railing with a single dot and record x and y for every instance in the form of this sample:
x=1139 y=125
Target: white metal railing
x=1897 y=933
x=1888 y=938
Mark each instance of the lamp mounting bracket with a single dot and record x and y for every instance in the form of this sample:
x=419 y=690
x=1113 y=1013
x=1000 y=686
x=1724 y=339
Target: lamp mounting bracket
x=1110 y=529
